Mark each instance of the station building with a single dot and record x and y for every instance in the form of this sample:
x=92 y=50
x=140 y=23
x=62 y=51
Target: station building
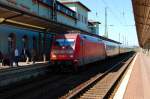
x=81 y=12
x=14 y=37
x=31 y=23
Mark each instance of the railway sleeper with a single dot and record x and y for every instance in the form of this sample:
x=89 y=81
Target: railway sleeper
x=100 y=90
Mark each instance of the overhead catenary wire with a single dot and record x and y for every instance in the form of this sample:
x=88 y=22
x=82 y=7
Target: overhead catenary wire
x=122 y=13
x=113 y=13
x=120 y=17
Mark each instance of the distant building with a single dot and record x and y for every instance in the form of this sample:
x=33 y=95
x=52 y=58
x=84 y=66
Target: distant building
x=12 y=37
x=94 y=26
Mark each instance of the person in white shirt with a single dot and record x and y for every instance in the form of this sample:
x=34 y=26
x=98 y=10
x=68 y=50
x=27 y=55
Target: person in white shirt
x=16 y=56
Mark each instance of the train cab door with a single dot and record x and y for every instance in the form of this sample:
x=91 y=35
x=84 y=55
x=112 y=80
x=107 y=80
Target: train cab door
x=82 y=52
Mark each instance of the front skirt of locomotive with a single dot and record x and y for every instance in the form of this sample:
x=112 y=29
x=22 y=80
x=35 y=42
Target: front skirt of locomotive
x=61 y=62
x=65 y=64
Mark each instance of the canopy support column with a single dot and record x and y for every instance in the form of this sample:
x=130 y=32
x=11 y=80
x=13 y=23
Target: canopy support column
x=44 y=47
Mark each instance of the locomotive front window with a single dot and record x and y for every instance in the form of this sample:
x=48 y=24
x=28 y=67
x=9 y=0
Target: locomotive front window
x=64 y=42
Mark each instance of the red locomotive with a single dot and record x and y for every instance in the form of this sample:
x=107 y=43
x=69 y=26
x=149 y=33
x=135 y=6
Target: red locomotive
x=76 y=49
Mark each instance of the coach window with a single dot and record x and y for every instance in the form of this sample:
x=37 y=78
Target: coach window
x=11 y=41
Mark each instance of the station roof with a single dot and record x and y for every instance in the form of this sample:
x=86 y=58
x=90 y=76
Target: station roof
x=95 y=35
x=93 y=22
x=13 y=16
x=141 y=10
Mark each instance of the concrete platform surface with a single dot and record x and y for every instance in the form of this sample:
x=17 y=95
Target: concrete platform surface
x=23 y=64
x=13 y=74
x=139 y=83
x=136 y=82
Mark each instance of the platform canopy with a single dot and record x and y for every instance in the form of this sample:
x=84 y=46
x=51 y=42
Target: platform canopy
x=141 y=10
x=14 y=16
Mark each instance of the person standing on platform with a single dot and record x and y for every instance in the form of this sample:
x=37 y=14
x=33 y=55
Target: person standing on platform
x=16 y=56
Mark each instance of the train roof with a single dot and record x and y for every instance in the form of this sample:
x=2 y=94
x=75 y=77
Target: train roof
x=110 y=40
x=94 y=35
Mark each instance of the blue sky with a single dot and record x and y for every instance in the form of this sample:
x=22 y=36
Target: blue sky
x=120 y=19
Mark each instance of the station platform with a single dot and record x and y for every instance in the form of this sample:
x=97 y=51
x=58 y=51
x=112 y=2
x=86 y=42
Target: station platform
x=13 y=74
x=136 y=83
x=22 y=64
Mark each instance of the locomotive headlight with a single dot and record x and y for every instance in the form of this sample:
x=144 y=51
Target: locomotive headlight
x=63 y=47
x=53 y=56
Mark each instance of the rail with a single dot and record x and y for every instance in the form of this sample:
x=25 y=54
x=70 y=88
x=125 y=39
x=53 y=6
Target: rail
x=57 y=85
x=79 y=90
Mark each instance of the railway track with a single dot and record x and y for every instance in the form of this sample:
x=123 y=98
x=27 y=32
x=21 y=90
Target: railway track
x=61 y=85
x=29 y=86
x=100 y=86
